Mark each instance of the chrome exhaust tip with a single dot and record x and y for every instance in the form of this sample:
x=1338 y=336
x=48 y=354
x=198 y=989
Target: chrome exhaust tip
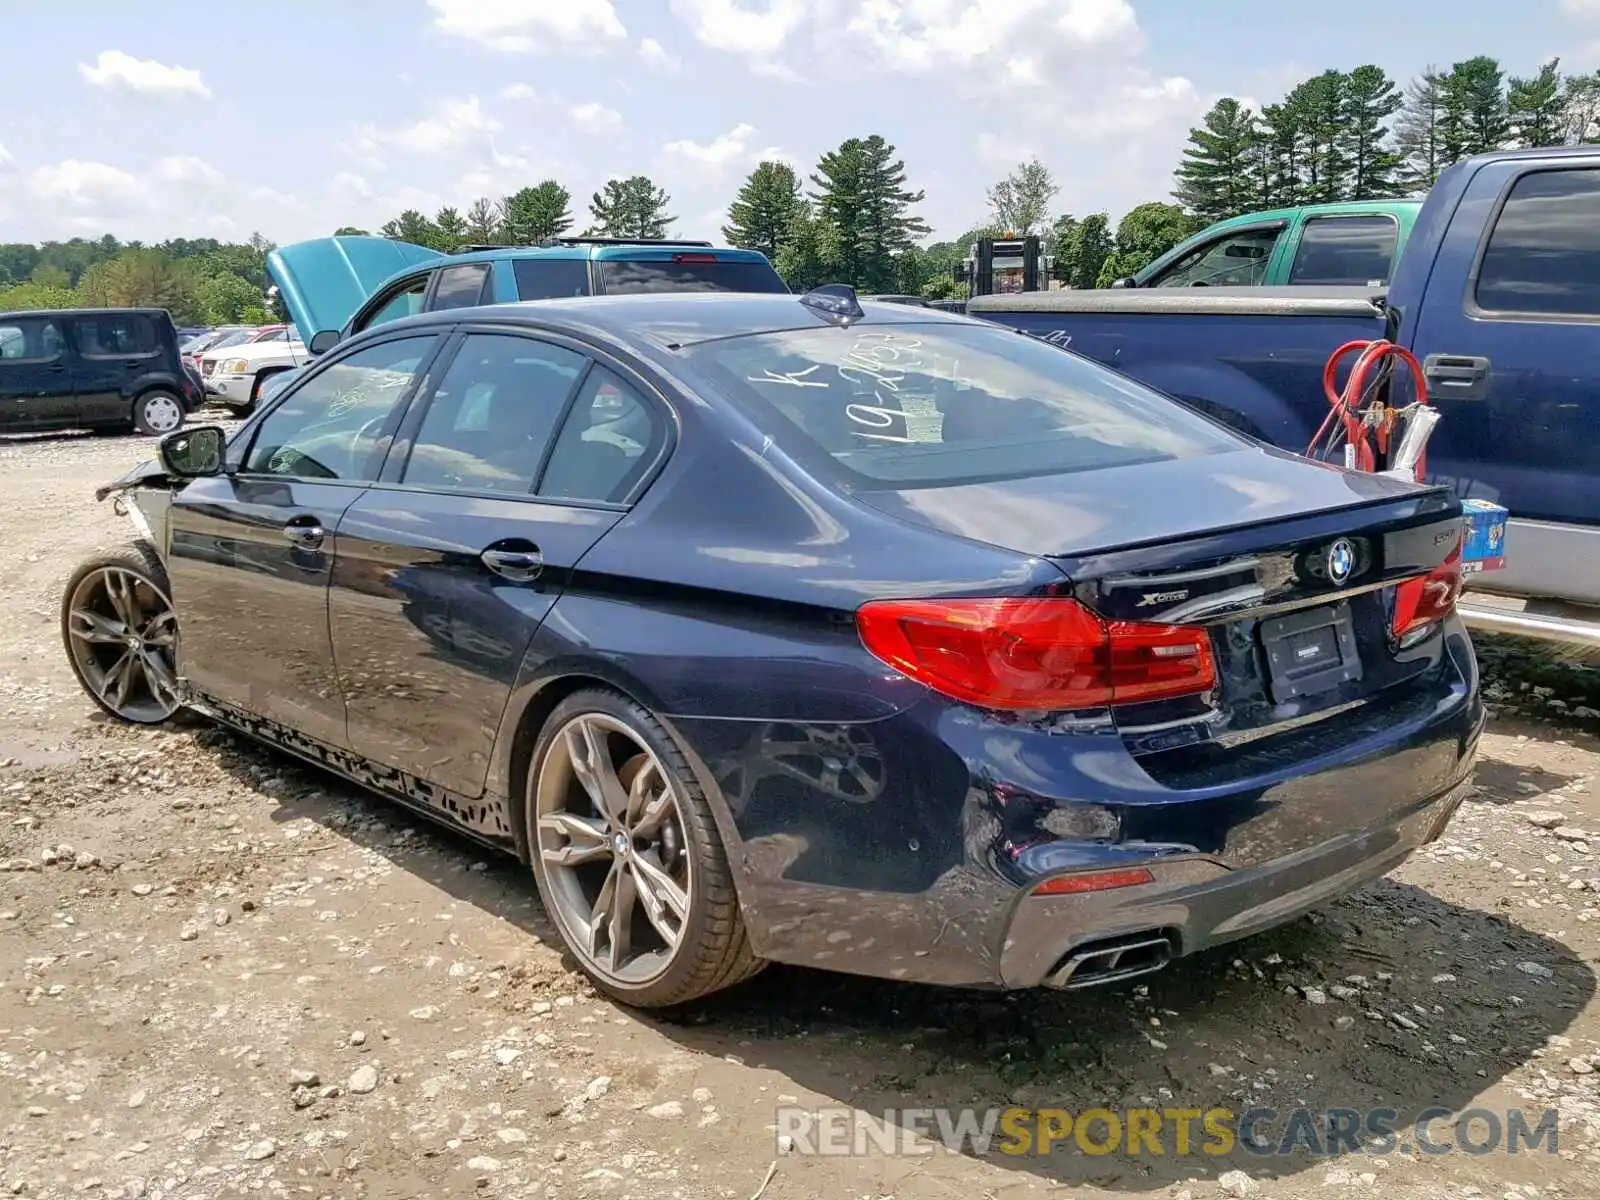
x=1111 y=961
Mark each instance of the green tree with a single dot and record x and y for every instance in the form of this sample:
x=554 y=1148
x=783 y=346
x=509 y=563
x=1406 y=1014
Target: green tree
x=764 y=208
x=1086 y=251
x=808 y=254
x=862 y=193
x=51 y=276
x=18 y=262
x=483 y=221
x=142 y=278
x=1420 y=131
x=350 y=231
x=411 y=226
x=1370 y=99
x=1143 y=236
x=631 y=208
x=1021 y=201
x=35 y=296
x=452 y=229
x=1580 y=109
x=1535 y=107
x=1057 y=239
x=224 y=299
x=532 y=214
x=1216 y=177
x=1281 y=170
x=1475 y=105
x=1319 y=106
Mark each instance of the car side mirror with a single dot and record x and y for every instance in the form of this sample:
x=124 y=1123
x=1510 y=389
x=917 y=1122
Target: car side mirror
x=1127 y=281
x=191 y=453
x=323 y=341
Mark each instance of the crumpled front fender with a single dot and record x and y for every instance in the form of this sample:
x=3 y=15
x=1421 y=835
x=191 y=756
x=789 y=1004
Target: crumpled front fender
x=144 y=496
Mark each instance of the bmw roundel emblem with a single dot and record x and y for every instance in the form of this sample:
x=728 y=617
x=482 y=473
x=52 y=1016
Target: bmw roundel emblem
x=1341 y=560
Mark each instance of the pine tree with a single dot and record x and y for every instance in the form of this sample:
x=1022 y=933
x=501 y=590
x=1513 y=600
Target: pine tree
x=1087 y=251
x=1477 y=95
x=530 y=215
x=483 y=221
x=1370 y=100
x=452 y=229
x=1216 y=178
x=862 y=194
x=1282 y=140
x=762 y=212
x=1535 y=107
x=631 y=208
x=1319 y=108
x=808 y=254
x=1419 y=132
x=1580 y=109
x=411 y=226
x=1021 y=201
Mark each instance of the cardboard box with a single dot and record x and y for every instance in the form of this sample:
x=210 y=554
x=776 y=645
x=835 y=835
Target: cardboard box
x=1484 y=547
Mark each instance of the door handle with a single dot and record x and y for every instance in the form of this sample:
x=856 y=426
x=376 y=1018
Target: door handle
x=57 y=368
x=306 y=533
x=1456 y=376
x=520 y=565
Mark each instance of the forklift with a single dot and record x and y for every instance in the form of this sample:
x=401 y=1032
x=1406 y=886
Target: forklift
x=1005 y=265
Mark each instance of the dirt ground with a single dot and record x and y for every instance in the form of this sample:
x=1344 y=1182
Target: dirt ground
x=223 y=974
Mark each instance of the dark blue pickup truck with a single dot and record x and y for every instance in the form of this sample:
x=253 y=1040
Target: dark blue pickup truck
x=1497 y=292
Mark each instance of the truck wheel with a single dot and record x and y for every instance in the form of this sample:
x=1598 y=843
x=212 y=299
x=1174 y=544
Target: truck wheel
x=260 y=381
x=121 y=634
x=157 y=412
x=627 y=856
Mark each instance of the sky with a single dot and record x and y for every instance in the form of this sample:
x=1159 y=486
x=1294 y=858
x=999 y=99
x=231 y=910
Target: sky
x=177 y=118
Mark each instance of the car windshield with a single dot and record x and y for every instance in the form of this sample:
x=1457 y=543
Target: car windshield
x=909 y=405
x=622 y=277
x=234 y=338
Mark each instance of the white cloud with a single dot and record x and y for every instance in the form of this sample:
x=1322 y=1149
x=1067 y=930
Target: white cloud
x=1582 y=8
x=88 y=186
x=595 y=118
x=453 y=124
x=519 y=25
x=759 y=31
x=187 y=168
x=5 y=157
x=731 y=147
x=656 y=56
x=519 y=91
x=116 y=71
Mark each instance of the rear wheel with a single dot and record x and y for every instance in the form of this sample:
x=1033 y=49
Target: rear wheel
x=121 y=634
x=157 y=412
x=627 y=856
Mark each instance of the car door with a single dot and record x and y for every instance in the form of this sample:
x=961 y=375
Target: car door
x=448 y=565
x=252 y=549
x=1510 y=359
x=1355 y=250
x=35 y=373
x=113 y=349
x=461 y=286
x=1238 y=258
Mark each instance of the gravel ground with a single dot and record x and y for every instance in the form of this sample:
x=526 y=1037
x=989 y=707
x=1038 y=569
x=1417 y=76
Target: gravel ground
x=224 y=974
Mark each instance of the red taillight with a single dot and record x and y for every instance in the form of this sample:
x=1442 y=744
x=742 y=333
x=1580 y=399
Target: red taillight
x=1046 y=654
x=1093 y=881
x=694 y=258
x=1428 y=598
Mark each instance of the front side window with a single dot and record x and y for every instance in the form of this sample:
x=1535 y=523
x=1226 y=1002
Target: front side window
x=609 y=440
x=491 y=420
x=550 y=278
x=1345 y=250
x=1236 y=260
x=29 y=338
x=407 y=302
x=1544 y=253
x=116 y=335
x=460 y=287
x=934 y=404
x=337 y=424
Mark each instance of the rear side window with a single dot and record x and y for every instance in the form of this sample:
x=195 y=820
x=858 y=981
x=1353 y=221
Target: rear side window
x=687 y=273
x=116 y=335
x=937 y=404
x=550 y=278
x=1345 y=250
x=29 y=338
x=1544 y=253
x=460 y=287
x=491 y=420
x=609 y=441
x=1235 y=260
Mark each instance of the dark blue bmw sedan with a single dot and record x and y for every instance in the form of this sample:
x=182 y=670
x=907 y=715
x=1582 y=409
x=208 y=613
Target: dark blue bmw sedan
x=787 y=628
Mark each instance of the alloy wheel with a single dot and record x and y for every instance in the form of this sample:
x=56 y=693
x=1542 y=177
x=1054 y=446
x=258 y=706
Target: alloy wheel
x=611 y=844
x=123 y=635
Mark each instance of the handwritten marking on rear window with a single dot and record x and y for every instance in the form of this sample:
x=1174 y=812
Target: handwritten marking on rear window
x=792 y=378
x=881 y=360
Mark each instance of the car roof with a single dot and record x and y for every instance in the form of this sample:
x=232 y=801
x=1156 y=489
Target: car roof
x=83 y=312
x=601 y=252
x=670 y=320
x=1340 y=207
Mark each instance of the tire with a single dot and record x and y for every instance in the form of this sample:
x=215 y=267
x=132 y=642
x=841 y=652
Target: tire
x=90 y=617
x=712 y=950
x=153 y=413
x=260 y=381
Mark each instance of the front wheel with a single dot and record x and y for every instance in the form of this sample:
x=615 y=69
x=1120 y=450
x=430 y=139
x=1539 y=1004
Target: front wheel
x=627 y=856
x=121 y=634
x=156 y=413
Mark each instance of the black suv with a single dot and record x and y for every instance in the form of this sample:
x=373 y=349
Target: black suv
x=110 y=369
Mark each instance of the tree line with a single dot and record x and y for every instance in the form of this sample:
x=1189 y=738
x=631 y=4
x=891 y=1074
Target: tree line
x=1338 y=135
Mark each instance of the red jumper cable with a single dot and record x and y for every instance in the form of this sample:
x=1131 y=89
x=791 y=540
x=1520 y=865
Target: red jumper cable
x=1361 y=423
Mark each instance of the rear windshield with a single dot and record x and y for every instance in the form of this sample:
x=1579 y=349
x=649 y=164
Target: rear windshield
x=621 y=277
x=938 y=404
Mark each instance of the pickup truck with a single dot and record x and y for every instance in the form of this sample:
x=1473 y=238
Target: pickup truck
x=1356 y=242
x=1497 y=292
